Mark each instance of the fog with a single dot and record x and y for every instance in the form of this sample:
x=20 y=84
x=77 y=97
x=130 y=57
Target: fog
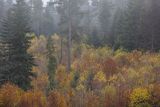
x=45 y=2
x=79 y=53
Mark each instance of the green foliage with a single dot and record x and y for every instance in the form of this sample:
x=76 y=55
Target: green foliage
x=89 y=81
x=52 y=63
x=75 y=80
x=15 y=42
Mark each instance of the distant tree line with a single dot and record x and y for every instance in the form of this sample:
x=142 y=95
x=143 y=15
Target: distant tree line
x=131 y=24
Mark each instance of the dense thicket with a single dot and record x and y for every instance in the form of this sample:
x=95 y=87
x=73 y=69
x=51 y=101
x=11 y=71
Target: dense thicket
x=98 y=78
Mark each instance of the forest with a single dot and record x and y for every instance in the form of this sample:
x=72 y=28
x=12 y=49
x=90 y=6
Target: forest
x=79 y=53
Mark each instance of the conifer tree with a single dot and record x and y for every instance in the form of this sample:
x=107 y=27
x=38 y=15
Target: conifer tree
x=37 y=15
x=52 y=63
x=15 y=41
x=104 y=17
x=129 y=25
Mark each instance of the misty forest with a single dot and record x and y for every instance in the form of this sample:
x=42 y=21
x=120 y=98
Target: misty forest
x=79 y=53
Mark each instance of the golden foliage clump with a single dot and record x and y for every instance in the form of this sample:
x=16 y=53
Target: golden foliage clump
x=56 y=99
x=33 y=99
x=139 y=98
x=100 y=76
x=10 y=95
x=121 y=58
x=85 y=99
x=92 y=100
x=63 y=78
x=90 y=59
x=41 y=81
x=38 y=49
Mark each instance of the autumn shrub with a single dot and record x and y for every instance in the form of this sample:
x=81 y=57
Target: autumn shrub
x=85 y=99
x=91 y=100
x=110 y=96
x=33 y=99
x=135 y=56
x=10 y=95
x=155 y=95
x=109 y=66
x=121 y=58
x=63 y=78
x=56 y=99
x=41 y=81
x=78 y=99
x=99 y=80
x=140 y=98
x=38 y=50
x=91 y=58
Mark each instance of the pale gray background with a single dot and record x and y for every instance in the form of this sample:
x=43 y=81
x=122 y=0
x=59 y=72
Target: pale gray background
x=45 y=1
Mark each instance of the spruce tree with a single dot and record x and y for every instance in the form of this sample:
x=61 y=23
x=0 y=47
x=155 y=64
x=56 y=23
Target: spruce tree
x=153 y=22
x=14 y=37
x=105 y=22
x=5 y=45
x=37 y=15
x=129 y=25
x=52 y=64
x=1 y=8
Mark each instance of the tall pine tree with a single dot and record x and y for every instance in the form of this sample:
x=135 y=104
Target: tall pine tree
x=16 y=41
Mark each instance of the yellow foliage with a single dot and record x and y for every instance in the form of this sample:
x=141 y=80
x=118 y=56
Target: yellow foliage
x=80 y=87
x=39 y=52
x=110 y=90
x=138 y=96
x=100 y=76
x=41 y=82
x=63 y=78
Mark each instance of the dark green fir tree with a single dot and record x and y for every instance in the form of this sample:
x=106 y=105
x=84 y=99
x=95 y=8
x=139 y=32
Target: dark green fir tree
x=16 y=64
x=52 y=64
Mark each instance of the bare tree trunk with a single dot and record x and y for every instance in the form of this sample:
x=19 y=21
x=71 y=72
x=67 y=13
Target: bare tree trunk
x=69 y=39
x=61 y=53
x=152 y=41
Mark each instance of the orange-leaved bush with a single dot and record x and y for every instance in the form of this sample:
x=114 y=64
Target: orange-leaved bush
x=10 y=95
x=56 y=99
x=33 y=99
x=92 y=100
